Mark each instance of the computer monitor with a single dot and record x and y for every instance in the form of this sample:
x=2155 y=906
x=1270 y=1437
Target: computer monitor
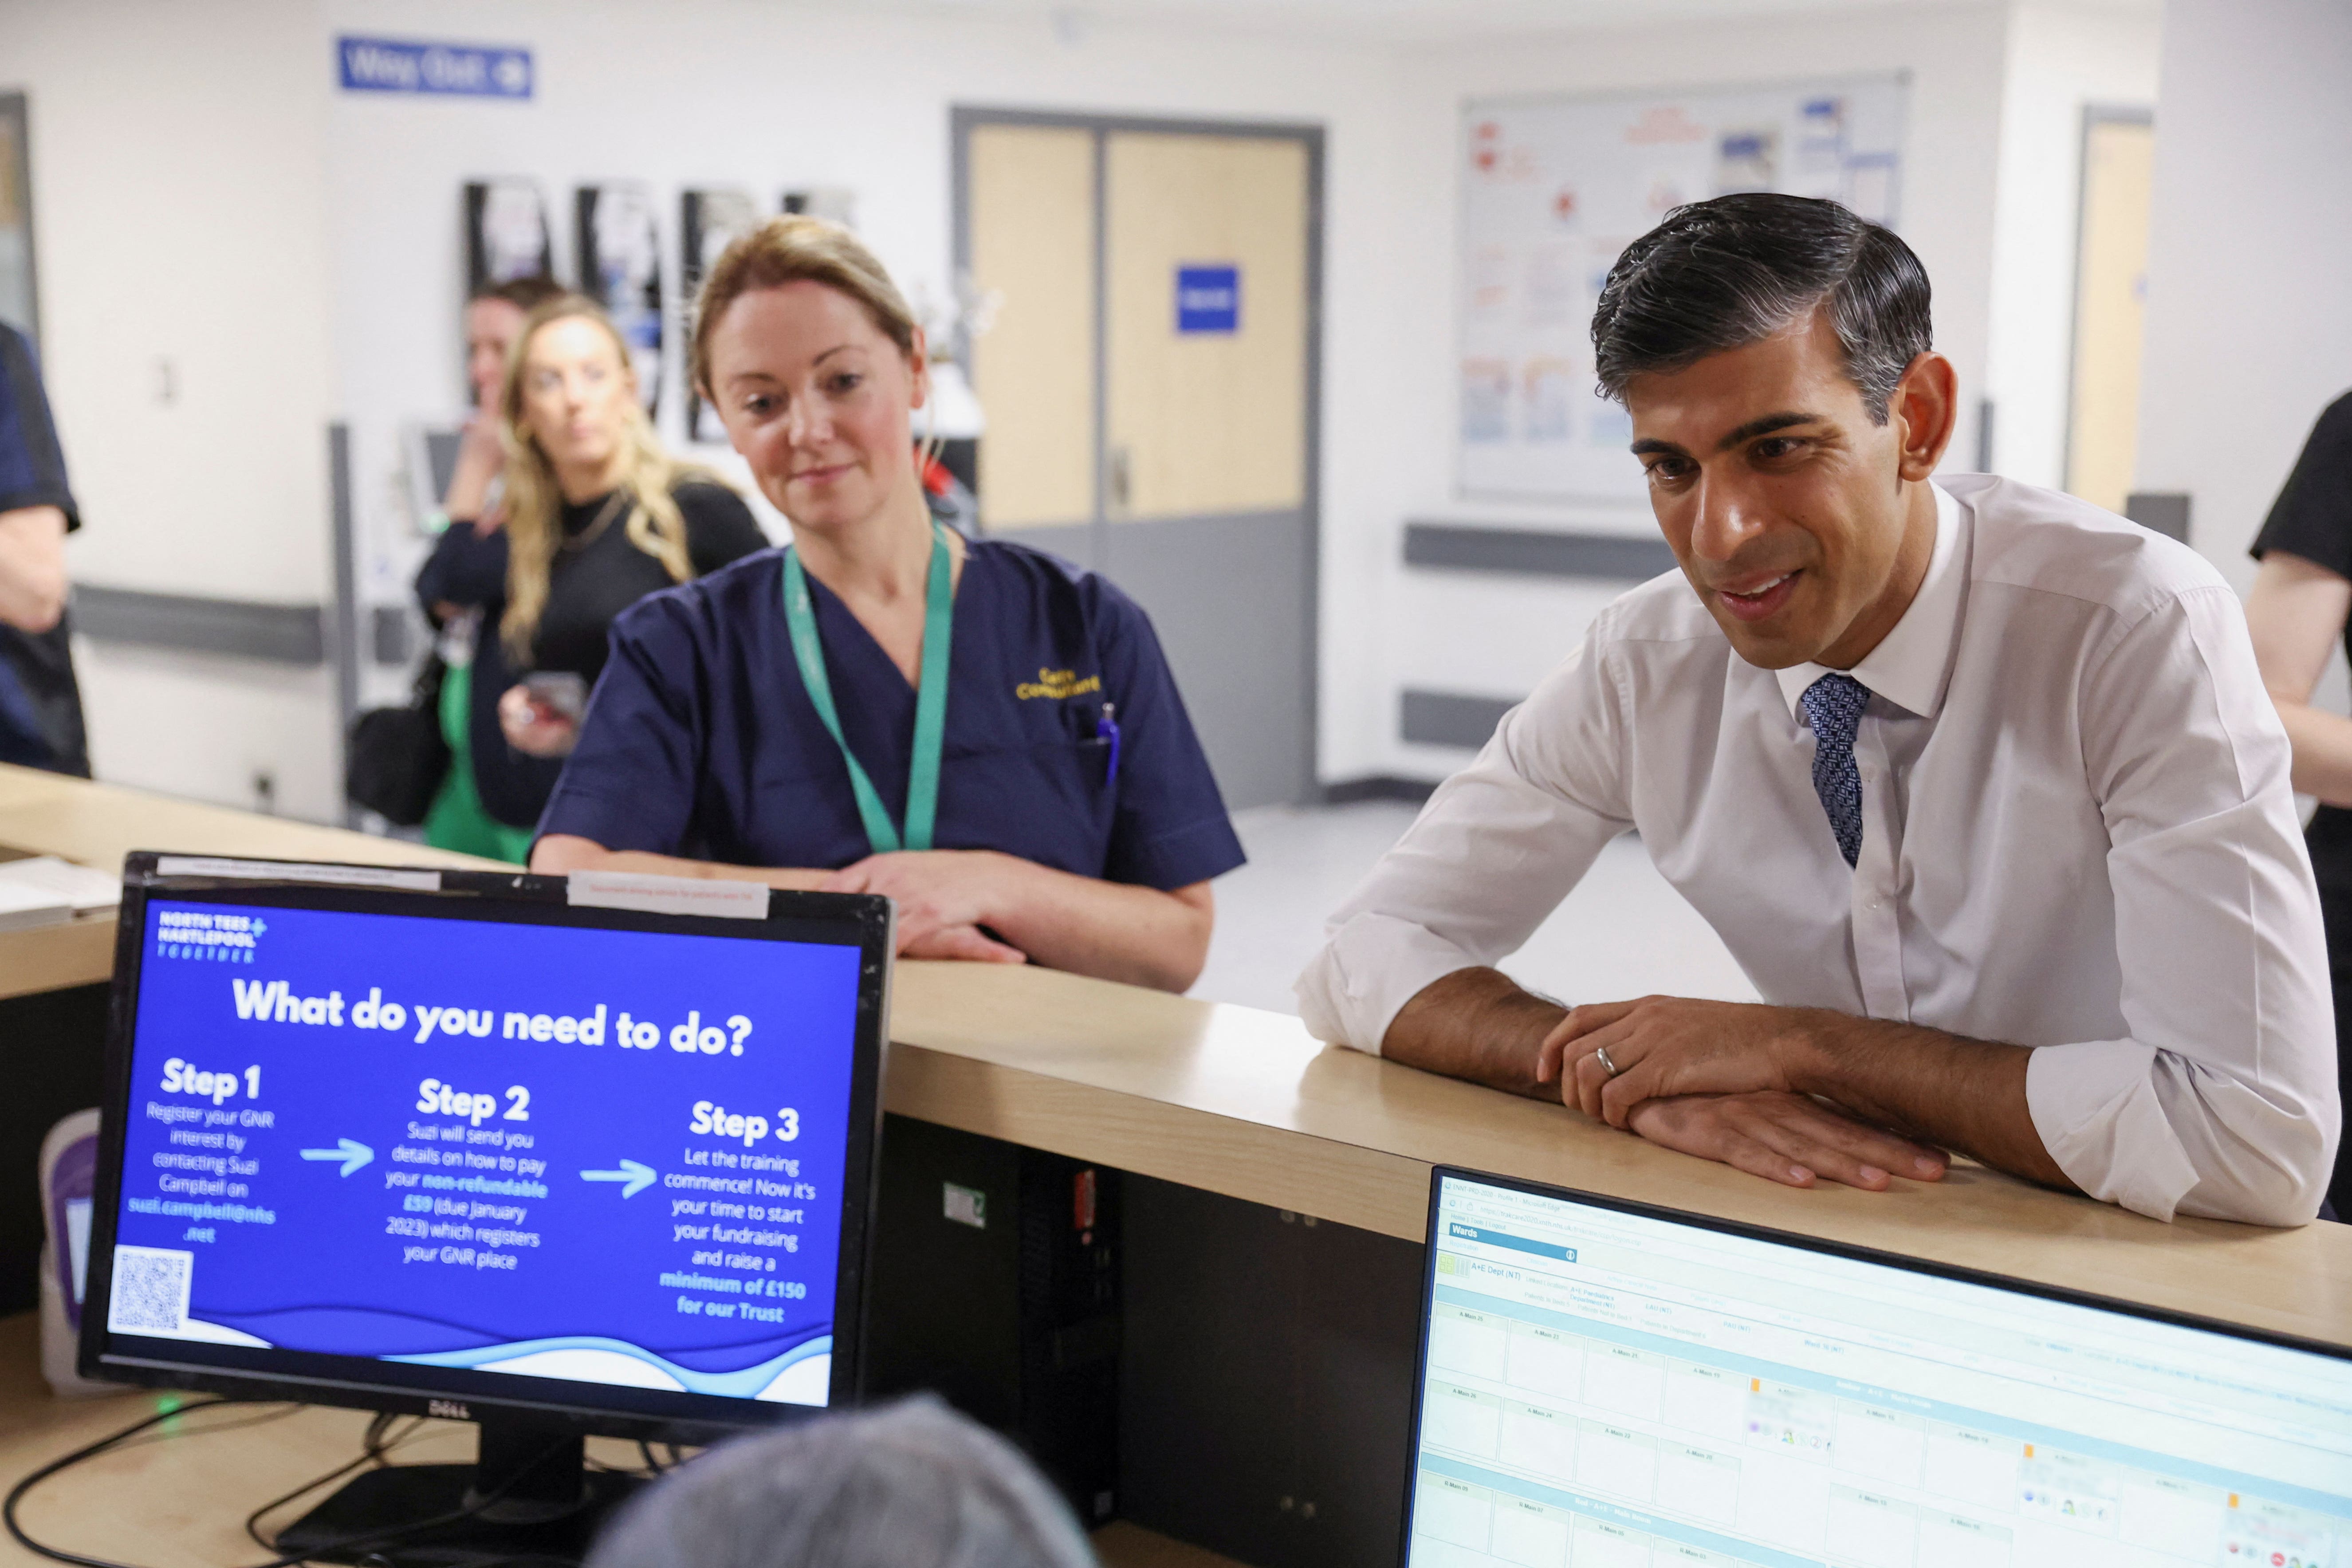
x=544 y=1153
x=1603 y=1384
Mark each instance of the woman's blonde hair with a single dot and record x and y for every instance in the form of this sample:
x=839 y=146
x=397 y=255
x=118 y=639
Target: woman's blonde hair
x=534 y=501
x=798 y=249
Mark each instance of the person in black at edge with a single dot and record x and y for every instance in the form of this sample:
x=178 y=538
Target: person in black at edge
x=2301 y=602
x=40 y=706
x=596 y=515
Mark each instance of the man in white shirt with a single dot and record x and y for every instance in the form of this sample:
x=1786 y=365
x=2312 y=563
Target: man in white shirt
x=1978 y=782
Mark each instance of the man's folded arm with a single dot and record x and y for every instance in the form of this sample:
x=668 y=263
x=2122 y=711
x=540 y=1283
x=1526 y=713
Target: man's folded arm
x=2222 y=1102
x=1494 y=851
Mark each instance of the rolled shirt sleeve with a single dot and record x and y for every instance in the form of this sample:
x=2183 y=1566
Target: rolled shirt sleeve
x=2223 y=1099
x=1497 y=848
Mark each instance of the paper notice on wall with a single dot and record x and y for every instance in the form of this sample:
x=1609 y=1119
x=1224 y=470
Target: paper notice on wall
x=1485 y=400
x=1554 y=189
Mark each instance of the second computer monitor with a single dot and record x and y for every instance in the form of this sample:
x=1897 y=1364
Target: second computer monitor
x=1606 y=1385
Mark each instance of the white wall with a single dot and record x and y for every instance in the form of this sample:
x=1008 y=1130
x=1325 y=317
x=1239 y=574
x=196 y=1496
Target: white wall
x=208 y=195
x=180 y=215
x=2061 y=60
x=1495 y=637
x=2250 y=263
x=769 y=96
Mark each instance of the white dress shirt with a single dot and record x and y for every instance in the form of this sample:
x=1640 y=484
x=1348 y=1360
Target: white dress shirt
x=2077 y=835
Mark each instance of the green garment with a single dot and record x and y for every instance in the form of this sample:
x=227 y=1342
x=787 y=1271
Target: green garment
x=457 y=820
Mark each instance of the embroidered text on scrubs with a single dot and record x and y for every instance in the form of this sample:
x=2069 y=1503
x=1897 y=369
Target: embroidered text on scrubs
x=1056 y=683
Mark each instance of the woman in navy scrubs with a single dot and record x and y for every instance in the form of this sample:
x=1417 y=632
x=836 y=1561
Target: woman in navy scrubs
x=985 y=733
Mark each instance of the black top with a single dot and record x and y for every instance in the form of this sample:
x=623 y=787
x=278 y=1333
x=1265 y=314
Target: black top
x=40 y=707
x=597 y=575
x=2313 y=518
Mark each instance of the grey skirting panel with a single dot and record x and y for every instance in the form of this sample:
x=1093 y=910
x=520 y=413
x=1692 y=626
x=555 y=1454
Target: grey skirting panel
x=281 y=634
x=1450 y=718
x=1624 y=558
x=1376 y=786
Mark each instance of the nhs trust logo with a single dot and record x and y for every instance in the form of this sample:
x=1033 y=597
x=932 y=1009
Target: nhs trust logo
x=207 y=937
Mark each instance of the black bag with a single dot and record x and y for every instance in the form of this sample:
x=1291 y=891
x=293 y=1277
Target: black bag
x=397 y=759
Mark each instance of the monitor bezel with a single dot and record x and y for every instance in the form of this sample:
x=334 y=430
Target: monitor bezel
x=862 y=920
x=1848 y=1250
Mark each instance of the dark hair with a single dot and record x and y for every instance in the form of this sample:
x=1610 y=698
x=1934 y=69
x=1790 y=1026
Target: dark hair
x=1722 y=274
x=912 y=1484
x=525 y=294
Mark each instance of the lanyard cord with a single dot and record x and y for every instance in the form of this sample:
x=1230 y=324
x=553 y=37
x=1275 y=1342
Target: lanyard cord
x=930 y=700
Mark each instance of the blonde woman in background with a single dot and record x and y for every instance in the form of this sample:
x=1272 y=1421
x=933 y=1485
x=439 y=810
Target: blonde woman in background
x=595 y=516
x=983 y=732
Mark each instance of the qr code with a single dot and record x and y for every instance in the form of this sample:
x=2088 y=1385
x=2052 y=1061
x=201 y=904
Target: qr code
x=150 y=1290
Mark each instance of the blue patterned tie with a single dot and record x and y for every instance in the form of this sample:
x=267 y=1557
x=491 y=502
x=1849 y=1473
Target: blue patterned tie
x=1833 y=705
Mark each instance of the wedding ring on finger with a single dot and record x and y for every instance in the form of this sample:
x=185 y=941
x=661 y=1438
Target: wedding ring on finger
x=1611 y=1068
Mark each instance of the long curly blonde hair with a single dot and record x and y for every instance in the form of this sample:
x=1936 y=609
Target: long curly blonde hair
x=534 y=499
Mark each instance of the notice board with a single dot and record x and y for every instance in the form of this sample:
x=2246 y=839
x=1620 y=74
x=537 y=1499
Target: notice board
x=1553 y=188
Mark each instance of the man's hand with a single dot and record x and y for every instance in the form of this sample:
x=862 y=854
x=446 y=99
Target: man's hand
x=1784 y=1138
x=1663 y=1046
x=944 y=897
x=1962 y=1094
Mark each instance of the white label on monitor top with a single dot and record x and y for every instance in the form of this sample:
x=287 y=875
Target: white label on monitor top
x=724 y=898
x=413 y=881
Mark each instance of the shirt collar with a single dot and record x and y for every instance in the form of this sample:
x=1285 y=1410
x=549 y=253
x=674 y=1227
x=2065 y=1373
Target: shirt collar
x=1910 y=664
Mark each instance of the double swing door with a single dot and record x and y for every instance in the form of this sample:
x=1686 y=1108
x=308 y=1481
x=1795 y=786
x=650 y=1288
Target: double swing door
x=1149 y=384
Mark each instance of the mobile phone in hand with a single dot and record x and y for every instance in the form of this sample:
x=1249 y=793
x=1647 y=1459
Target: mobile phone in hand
x=560 y=692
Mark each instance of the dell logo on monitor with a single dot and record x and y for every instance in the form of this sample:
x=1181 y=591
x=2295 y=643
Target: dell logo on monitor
x=447 y=1409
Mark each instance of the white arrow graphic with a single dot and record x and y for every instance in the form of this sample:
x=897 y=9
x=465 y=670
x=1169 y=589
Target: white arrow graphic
x=352 y=1155
x=635 y=1178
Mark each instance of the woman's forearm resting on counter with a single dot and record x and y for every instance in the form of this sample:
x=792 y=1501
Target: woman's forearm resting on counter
x=975 y=904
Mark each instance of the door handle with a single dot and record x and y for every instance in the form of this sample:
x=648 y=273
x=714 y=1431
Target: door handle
x=1120 y=487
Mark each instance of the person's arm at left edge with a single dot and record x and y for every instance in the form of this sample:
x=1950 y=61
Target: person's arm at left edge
x=37 y=509
x=32 y=568
x=2220 y=1102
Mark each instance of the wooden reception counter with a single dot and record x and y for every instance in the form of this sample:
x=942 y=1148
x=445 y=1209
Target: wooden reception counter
x=1229 y=1099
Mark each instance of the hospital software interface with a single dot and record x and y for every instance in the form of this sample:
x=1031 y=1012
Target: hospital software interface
x=1606 y=1389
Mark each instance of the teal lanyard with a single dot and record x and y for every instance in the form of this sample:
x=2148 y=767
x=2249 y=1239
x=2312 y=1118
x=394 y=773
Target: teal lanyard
x=931 y=699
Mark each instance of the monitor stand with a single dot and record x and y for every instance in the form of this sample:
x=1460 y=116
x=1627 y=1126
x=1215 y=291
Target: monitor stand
x=546 y=1503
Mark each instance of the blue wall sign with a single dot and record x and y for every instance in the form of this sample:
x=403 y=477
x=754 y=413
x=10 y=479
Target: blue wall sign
x=1209 y=299
x=465 y=71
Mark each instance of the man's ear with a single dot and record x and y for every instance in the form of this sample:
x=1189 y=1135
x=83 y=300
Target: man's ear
x=1925 y=407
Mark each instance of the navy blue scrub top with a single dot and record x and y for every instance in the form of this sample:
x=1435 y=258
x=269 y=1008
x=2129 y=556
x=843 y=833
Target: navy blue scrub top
x=701 y=739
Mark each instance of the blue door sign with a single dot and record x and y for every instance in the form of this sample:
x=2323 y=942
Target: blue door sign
x=1209 y=299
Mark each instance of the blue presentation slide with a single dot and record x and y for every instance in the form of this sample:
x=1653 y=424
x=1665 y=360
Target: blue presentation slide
x=614 y=1157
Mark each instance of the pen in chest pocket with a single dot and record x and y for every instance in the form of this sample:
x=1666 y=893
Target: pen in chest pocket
x=1107 y=730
